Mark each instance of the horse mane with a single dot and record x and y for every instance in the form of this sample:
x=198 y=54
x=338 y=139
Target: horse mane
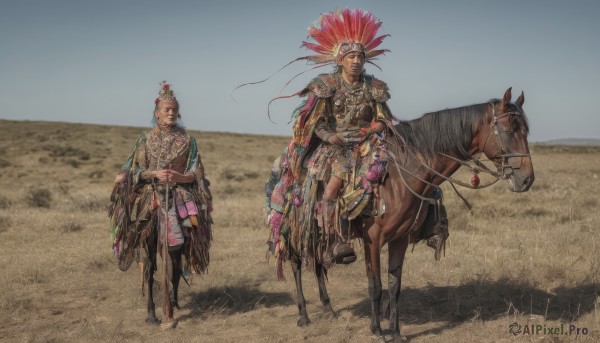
x=447 y=131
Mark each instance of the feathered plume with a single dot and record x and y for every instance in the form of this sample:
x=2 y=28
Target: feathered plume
x=339 y=31
x=335 y=34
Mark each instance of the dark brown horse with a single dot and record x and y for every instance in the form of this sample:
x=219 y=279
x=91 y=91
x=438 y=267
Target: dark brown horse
x=436 y=144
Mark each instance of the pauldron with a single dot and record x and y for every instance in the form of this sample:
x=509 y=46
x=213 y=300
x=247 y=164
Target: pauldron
x=325 y=85
x=379 y=89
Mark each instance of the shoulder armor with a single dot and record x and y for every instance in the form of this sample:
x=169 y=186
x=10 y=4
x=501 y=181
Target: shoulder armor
x=379 y=89
x=323 y=86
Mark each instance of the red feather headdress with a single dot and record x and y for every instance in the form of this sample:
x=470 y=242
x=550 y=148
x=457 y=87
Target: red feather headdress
x=338 y=33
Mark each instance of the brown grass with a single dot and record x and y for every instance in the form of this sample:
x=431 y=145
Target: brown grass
x=529 y=258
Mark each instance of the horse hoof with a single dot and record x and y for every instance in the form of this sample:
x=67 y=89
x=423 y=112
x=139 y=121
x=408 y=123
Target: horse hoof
x=331 y=315
x=302 y=322
x=400 y=339
x=171 y=324
x=175 y=305
x=152 y=320
x=376 y=331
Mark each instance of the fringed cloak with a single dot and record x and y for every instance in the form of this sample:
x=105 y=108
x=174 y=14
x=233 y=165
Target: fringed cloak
x=135 y=203
x=293 y=191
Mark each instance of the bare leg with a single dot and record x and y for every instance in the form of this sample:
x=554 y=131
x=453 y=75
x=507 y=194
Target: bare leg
x=332 y=188
x=397 y=249
x=297 y=269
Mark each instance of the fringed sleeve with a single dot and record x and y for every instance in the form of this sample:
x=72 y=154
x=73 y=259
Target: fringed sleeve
x=313 y=112
x=121 y=201
x=201 y=233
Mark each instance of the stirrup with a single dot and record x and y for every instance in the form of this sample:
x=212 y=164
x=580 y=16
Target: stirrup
x=343 y=253
x=438 y=243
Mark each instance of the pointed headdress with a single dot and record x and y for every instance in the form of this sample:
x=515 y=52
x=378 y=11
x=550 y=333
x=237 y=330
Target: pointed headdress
x=338 y=33
x=165 y=93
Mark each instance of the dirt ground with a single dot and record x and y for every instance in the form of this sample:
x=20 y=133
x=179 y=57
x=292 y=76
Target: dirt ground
x=527 y=260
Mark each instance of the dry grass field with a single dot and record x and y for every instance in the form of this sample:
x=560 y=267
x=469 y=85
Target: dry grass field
x=530 y=258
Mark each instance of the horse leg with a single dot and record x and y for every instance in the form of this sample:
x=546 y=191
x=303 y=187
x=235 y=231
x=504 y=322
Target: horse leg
x=396 y=249
x=150 y=268
x=175 y=275
x=297 y=268
x=151 y=318
x=321 y=273
x=372 y=262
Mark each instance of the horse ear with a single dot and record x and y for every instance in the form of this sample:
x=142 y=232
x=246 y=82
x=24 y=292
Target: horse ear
x=507 y=97
x=520 y=100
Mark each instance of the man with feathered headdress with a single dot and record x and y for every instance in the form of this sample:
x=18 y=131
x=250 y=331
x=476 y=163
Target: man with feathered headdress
x=337 y=142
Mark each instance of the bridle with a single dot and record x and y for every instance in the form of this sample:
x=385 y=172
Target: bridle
x=504 y=170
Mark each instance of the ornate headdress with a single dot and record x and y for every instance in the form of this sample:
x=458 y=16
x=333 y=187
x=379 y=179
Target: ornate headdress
x=336 y=34
x=165 y=93
x=341 y=32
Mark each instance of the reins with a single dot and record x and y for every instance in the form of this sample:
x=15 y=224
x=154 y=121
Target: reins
x=503 y=169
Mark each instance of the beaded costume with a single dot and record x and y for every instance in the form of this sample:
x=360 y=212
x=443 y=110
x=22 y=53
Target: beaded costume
x=332 y=106
x=138 y=208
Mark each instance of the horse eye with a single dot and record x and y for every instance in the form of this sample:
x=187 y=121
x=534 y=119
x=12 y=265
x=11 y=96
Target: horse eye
x=514 y=124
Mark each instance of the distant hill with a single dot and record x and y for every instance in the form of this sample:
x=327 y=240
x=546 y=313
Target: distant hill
x=572 y=142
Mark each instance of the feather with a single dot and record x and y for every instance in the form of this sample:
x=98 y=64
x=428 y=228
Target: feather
x=359 y=24
x=375 y=53
x=333 y=29
x=320 y=37
x=375 y=42
x=347 y=21
x=366 y=30
x=316 y=48
x=331 y=25
x=371 y=33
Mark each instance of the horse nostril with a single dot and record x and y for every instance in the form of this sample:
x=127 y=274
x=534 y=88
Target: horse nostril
x=526 y=181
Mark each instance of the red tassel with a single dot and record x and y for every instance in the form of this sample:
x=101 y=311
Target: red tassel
x=475 y=180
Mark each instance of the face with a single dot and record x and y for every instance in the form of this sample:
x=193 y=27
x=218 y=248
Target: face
x=167 y=112
x=353 y=63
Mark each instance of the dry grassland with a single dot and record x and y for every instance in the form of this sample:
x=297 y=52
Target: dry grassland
x=530 y=258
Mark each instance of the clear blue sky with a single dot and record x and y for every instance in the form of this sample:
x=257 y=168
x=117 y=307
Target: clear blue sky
x=101 y=61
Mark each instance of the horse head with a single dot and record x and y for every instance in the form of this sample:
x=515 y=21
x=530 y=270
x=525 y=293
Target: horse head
x=503 y=139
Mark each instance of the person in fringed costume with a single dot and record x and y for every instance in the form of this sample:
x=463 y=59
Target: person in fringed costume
x=161 y=203
x=330 y=171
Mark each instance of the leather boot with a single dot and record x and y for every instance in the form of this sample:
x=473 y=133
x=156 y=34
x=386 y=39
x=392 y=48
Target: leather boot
x=342 y=252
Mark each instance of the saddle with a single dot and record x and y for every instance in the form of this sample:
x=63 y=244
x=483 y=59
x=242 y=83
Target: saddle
x=362 y=195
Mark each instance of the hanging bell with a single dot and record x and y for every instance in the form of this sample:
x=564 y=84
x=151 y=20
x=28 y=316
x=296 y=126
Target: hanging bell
x=297 y=195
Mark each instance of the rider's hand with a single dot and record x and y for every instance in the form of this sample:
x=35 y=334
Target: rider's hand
x=376 y=127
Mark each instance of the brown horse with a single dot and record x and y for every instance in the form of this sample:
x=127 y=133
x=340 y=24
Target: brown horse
x=436 y=144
